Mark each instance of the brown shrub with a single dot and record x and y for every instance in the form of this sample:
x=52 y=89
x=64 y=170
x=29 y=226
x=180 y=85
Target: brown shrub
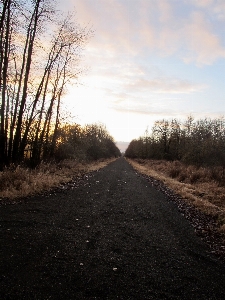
x=174 y=172
x=194 y=184
x=182 y=176
x=21 y=182
x=13 y=178
x=194 y=177
x=217 y=174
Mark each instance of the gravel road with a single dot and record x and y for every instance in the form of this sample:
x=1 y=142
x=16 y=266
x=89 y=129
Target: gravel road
x=112 y=236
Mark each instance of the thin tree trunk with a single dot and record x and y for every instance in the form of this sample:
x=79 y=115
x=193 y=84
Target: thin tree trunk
x=17 y=154
x=53 y=144
x=3 y=75
x=12 y=121
x=38 y=141
x=51 y=60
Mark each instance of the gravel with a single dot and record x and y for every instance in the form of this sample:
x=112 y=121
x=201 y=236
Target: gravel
x=113 y=235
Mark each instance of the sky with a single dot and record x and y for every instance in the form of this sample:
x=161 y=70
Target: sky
x=149 y=60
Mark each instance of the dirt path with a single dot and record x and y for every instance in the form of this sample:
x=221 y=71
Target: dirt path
x=112 y=237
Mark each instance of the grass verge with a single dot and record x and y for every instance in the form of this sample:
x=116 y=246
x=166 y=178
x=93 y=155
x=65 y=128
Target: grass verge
x=22 y=182
x=197 y=186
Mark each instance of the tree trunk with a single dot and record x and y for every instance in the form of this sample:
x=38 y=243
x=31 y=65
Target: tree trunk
x=3 y=83
x=17 y=154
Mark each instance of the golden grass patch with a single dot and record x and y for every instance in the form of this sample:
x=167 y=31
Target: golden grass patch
x=195 y=185
x=22 y=182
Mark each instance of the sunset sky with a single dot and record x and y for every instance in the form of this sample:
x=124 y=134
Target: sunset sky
x=149 y=60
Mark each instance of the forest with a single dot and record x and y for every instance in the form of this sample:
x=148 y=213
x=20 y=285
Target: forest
x=40 y=51
x=200 y=143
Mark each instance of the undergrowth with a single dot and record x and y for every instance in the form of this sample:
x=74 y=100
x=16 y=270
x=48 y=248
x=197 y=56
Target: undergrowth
x=202 y=187
x=20 y=181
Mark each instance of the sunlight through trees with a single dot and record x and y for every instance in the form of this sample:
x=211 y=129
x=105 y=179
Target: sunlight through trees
x=40 y=52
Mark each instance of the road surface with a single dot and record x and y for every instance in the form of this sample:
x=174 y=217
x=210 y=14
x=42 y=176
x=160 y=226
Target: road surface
x=111 y=237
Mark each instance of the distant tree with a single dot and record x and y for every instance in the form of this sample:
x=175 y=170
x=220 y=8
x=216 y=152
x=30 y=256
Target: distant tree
x=135 y=149
x=99 y=143
x=200 y=142
x=161 y=134
x=175 y=140
x=90 y=142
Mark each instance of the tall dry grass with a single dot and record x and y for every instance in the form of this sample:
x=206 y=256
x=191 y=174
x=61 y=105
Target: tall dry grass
x=21 y=182
x=202 y=187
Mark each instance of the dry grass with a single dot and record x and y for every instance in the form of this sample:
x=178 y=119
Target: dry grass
x=21 y=182
x=198 y=186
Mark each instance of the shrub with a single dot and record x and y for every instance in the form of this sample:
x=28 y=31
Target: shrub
x=174 y=172
x=194 y=177
x=13 y=178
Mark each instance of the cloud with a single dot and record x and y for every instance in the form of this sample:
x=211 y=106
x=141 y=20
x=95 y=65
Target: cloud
x=202 y=3
x=216 y=8
x=133 y=28
x=165 y=85
x=203 y=46
x=148 y=104
x=165 y=11
x=219 y=10
x=147 y=110
x=191 y=38
x=112 y=22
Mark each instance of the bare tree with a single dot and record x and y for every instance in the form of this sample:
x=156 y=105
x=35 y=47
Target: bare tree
x=5 y=50
x=31 y=89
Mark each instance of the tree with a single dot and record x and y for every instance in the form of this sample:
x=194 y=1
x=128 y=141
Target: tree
x=161 y=133
x=5 y=36
x=32 y=88
x=200 y=142
x=90 y=142
x=175 y=140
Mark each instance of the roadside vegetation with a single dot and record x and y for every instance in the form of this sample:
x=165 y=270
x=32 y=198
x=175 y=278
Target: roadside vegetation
x=23 y=182
x=40 y=53
x=189 y=158
x=79 y=150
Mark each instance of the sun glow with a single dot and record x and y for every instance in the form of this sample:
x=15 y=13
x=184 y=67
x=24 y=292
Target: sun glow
x=89 y=103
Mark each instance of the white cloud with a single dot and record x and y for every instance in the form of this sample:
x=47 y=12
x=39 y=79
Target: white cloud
x=150 y=110
x=165 y=85
x=201 y=3
x=219 y=10
x=216 y=8
x=165 y=11
x=132 y=28
x=203 y=46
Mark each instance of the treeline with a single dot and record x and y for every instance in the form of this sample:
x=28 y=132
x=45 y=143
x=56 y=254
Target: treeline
x=200 y=142
x=90 y=142
x=39 y=56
